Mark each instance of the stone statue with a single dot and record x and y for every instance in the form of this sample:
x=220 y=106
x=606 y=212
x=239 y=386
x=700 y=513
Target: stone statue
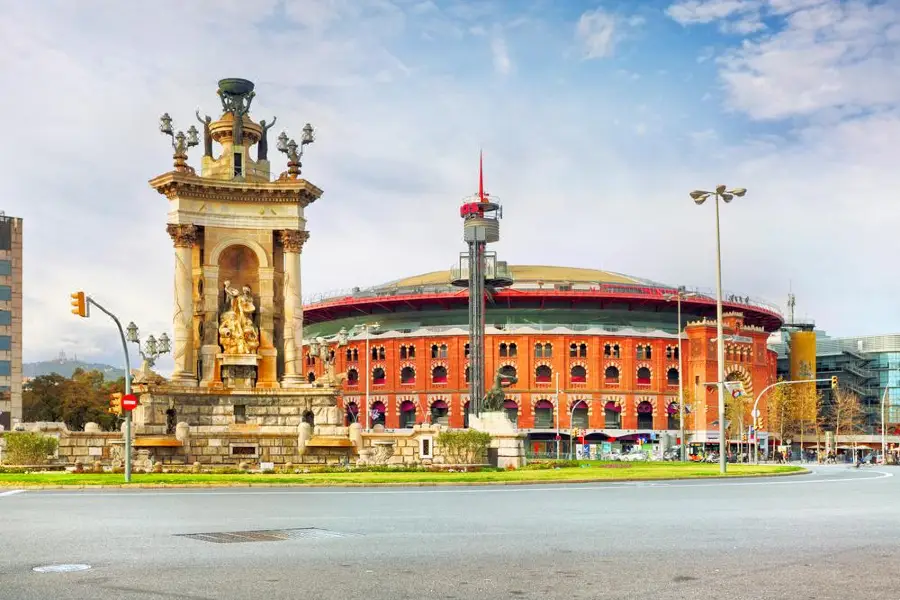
x=262 y=151
x=237 y=333
x=207 y=138
x=327 y=356
x=493 y=400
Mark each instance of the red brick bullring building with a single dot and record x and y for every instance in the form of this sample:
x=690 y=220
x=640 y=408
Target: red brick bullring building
x=608 y=341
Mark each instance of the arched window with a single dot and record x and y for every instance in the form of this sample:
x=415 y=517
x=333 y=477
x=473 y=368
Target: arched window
x=578 y=374
x=411 y=351
x=351 y=413
x=539 y=351
x=439 y=374
x=673 y=416
x=616 y=351
x=672 y=376
x=508 y=371
x=407 y=414
x=543 y=414
x=573 y=350
x=669 y=352
x=611 y=375
x=612 y=414
x=355 y=355
x=310 y=360
x=648 y=351
x=352 y=377
x=374 y=353
x=504 y=350
x=645 y=415
x=377 y=414
x=548 y=350
x=607 y=350
x=512 y=411
x=439 y=412
x=381 y=352
x=378 y=377
x=442 y=351
x=402 y=352
x=543 y=374
x=582 y=350
x=467 y=374
x=466 y=351
x=643 y=376
x=407 y=375
x=349 y=354
x=580 y=414
x=434 y=351
x=310 y=377
x=513 y=349
x=676 y=352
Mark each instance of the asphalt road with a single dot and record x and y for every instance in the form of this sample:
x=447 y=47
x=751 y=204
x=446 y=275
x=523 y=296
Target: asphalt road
x=831 y=534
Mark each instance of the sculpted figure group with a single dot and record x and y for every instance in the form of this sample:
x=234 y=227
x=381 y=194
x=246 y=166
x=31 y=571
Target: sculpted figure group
x=237 y=333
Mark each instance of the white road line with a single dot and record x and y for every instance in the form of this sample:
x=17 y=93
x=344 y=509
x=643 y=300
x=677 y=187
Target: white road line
x=549 y=488
x=11 y=493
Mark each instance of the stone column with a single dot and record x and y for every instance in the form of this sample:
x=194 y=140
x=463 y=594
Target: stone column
x=292 y=243
x=267 y=375
x=183 y=237
x=210 y=340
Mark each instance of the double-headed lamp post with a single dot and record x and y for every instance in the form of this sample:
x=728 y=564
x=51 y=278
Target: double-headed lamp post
x=678 y=296
x=152 y=349
x=700 y=197
x=366 y=328
x=180 y=141
x=290 y=148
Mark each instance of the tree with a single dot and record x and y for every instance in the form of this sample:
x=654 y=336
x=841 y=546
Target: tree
x=780 y=414
x=806 y=408
x=81 y=399
x=847 y=415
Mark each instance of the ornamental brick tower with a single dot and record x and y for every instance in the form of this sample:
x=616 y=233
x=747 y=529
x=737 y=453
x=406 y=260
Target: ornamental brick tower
x=238 y=390
x=238 y=236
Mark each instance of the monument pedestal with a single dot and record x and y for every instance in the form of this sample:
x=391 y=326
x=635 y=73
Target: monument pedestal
x=507 y=447
x=239 y=370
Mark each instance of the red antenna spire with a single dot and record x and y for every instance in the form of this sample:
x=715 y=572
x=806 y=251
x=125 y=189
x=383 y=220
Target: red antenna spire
x=481 y=194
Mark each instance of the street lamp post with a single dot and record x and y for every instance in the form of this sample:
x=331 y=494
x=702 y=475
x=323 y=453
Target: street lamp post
x=679 y=295
x=152 y=349
x=342 y=339
x=700 y=197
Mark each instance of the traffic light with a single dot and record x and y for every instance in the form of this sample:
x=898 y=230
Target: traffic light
x=79 y=304
x=834 y=382
x=115 y=404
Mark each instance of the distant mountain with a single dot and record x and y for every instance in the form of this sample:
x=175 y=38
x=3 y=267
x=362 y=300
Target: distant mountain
x=66 y=367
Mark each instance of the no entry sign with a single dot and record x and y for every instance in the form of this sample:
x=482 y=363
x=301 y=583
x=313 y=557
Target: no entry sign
x=129 y=402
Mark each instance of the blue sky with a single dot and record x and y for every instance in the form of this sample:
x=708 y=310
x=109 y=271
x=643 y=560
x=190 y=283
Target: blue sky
x=596 y=119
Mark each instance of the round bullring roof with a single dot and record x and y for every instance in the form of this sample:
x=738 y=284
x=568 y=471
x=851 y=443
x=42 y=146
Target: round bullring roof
x=525 y=274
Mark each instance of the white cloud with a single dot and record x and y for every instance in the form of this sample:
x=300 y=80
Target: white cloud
x=500 y=55
x=399 y=131
x=690 y=12
x=599 y=31
x=836 y=56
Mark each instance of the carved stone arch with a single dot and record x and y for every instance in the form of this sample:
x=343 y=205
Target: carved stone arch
x=376 y=365
x=574 y=399
x=509 y=363
x=261 y=256
x=543 y=362
x=651 y=399
x=580 y=363
x=538 y=398
x=743 y=375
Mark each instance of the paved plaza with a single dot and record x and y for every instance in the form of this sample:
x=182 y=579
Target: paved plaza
x=829 y=534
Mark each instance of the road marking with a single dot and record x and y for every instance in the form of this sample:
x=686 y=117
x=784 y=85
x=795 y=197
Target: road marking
x=531 y=488
x=11 y=493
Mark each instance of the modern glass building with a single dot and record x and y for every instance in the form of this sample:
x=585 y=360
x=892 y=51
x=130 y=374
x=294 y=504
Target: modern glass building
x=10 y=320
x=868 y=366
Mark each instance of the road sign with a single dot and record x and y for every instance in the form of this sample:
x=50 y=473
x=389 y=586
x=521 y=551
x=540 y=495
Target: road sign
x=129 y=402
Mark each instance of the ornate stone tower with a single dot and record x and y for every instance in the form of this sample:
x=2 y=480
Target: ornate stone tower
x=238 y=236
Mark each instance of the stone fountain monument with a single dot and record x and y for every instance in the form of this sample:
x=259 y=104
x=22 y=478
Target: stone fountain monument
x=237 y=393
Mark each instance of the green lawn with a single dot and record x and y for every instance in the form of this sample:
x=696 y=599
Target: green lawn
x=590 y=471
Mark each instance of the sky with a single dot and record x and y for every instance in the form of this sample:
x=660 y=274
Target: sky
x=596 y=119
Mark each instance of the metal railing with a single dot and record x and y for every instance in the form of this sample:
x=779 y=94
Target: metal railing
x=579 y=288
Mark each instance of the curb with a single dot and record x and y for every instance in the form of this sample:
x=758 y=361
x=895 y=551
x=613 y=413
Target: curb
x=535 y=482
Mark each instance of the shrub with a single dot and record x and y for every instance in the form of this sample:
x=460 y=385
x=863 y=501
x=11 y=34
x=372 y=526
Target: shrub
x=28 y=448
x=464 y=447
